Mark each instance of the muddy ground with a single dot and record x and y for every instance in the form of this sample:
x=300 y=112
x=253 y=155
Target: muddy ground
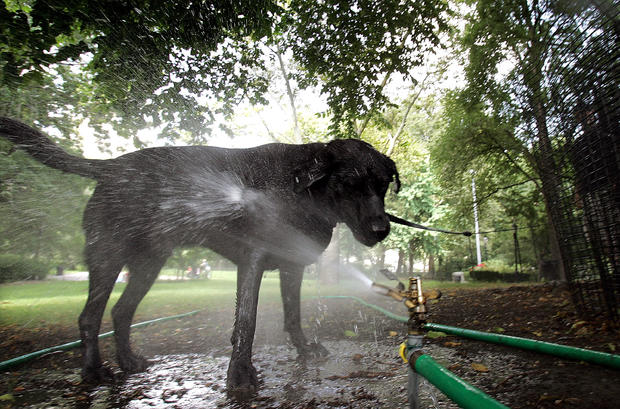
x=190 y=357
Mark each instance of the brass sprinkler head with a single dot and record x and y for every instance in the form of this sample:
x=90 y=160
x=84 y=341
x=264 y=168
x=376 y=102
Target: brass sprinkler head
x=413 y=297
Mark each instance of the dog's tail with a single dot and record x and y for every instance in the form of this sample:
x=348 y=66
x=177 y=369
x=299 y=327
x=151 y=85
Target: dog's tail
x=40 y=147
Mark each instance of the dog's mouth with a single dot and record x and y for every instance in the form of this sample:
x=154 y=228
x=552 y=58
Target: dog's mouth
x=372 y=233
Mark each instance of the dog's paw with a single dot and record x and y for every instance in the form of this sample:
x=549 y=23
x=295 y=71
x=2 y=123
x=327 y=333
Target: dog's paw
x=98 y=375
x=242 y=381
x=132 y=363
x=313 y=350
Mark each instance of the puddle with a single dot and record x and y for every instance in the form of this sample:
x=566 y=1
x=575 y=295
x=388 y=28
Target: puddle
x=360 y=375
x=356 y=374
x=183 y=381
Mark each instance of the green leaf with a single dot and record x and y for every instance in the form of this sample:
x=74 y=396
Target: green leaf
x=6 y=397
x=436 y=334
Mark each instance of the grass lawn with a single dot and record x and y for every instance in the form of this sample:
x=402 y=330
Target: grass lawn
x=38 y=304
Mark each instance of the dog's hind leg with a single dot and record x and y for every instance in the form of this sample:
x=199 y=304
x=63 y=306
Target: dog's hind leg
x=143 y=271
x=290 y=288
x=102 y=275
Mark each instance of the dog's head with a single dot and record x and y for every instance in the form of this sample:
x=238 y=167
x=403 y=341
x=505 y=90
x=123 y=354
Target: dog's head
x=353 y=178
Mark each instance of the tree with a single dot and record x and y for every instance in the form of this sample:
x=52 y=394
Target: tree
x=504 y=122
x=355 y=48
x=153 y=62
x=149 y=61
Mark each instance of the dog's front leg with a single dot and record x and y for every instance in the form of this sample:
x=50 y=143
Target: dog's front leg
x=290 y=288
x=242 y=378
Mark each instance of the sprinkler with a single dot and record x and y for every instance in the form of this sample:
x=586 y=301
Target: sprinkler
x=415 y=300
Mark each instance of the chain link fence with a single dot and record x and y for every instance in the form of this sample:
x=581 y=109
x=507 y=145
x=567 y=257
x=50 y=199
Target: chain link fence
x=571 y=91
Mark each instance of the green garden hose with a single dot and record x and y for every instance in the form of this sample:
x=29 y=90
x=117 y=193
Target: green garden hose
x=70 y=345
x=462 y=393
x=563 y=351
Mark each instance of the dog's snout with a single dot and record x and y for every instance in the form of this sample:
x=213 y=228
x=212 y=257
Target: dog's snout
x=380 y=225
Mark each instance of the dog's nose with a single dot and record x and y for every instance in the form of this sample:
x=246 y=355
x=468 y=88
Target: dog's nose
x=380 y=226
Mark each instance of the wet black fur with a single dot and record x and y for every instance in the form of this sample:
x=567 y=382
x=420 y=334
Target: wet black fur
x=269 y=207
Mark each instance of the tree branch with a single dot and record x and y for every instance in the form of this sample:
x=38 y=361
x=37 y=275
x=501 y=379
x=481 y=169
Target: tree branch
x=361 y=129
x=403 y=122
x=513 y=162
x=488 y=195
x=291 y=96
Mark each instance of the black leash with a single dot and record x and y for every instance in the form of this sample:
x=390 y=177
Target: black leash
x=419 y=226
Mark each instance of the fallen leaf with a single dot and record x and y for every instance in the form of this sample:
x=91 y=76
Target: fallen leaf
x=545 y=397
x=350 y=334
x=480 y=367
x=436 y=334
x=6 y=397
x=583 y=331
x=19 y=389
x=499 y=329
x=357 y=357
x=432 y=294
x=452 y=344
x=611 y=347
x=578 y=324
x=393 y=333
x=537 y=333
x=454 y=366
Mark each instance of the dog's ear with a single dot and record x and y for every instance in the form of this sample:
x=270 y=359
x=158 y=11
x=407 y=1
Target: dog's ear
x=312 y=171
x=396 y=186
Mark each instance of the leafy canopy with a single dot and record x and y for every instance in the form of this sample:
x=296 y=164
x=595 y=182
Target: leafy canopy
x=182 y=63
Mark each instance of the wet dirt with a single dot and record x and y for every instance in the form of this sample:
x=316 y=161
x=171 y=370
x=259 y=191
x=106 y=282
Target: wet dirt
x=189 y=358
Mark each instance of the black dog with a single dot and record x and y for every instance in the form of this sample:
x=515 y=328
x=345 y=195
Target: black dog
x=269 y=207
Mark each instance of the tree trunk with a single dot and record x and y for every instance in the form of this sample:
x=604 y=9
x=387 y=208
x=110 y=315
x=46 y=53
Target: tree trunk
x=544 y=157
x=431 y=266
x=537 y=255
x=401 y=261
x=410 y=262
x=290 y=94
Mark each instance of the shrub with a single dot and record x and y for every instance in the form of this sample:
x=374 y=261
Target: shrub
x=497 y=271
x=491 y=275
x=15 y=268
x=484 y=275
